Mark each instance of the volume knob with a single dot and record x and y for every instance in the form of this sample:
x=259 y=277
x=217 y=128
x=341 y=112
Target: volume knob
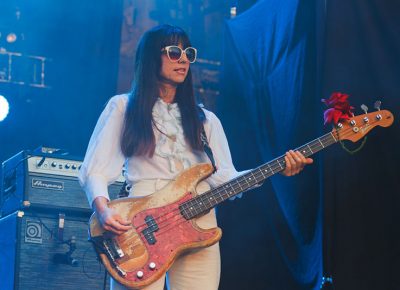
x=139 y=274
x=152 y=266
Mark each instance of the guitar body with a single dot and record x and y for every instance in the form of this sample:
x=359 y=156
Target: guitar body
x=159 y=234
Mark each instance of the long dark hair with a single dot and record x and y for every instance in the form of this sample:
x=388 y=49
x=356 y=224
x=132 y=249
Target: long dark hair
x=137 y=134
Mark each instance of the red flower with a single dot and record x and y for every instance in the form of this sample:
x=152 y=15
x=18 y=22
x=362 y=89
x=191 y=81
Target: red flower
x=339 y=108
x=336 y=98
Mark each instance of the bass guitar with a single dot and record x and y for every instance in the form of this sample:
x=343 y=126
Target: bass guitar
x=164 y=223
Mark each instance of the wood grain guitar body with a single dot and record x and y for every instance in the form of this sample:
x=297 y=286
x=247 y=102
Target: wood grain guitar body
x=160 y=232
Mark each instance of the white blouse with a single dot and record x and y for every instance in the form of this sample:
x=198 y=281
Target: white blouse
x=104 y=160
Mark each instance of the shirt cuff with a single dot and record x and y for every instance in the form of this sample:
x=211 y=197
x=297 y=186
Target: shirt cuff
x=96 y=185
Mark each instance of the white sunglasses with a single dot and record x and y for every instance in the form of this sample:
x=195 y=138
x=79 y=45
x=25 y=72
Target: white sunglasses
x=175 y=53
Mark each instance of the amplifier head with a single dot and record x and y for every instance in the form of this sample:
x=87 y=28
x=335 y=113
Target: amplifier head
x=45 y=181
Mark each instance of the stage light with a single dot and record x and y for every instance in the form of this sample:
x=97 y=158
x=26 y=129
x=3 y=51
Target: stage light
x=4 y=108
x=233 y=11
x=11 y=37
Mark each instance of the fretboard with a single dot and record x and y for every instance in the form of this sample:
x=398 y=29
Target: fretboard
x=203 y=203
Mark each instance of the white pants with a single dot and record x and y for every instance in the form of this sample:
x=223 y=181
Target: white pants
x=195 y=270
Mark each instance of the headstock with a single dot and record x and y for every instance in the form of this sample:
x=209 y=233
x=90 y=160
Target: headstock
x=359 y=126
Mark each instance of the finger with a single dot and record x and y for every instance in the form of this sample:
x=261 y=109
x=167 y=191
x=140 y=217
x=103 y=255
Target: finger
x=116 y=224
x=115 y=228
x=295 y=160
x=290 y=163
x=288 y=167
x=123 y=224
x=301 y=160
x=305 y=161
x=287 y=162
x=112 y=229
x=123 y=221
x=110 y=223
x=296 y=157
x=300 y=156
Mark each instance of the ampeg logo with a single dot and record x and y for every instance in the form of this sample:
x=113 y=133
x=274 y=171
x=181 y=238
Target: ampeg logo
x=47 y=184
x=33 y=232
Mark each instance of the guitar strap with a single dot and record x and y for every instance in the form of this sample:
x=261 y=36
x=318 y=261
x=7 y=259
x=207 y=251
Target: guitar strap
x=207 y=148
x=203 y=137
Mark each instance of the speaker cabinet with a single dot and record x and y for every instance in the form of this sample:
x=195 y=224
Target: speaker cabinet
x=48 y=251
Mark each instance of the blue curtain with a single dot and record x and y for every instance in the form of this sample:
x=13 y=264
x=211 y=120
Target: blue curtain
x=273 y=238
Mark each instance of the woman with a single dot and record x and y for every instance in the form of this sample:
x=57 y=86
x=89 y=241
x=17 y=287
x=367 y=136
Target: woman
x=155 y=133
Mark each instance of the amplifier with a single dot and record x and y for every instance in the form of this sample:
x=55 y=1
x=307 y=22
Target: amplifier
x=44 y=181
x=47 y=251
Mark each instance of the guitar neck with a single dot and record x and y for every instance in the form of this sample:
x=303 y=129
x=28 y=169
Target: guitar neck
x=203 y=203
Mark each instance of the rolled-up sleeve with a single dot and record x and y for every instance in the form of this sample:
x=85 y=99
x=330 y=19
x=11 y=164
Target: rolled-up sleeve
x=104 y=160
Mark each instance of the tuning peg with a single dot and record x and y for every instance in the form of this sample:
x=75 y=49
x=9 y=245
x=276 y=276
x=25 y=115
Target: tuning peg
x=364 y=108
x=377 y=105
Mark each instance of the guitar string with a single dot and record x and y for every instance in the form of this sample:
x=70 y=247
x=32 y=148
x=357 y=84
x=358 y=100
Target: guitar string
x=259 y=176
x=177 y=212
x=165 y=227
x=181 y=219
x=163 y=224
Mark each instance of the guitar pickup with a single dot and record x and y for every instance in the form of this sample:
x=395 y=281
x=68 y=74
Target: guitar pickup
x=148 y=232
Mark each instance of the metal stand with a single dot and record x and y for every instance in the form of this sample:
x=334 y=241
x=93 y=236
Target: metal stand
x=21 y=69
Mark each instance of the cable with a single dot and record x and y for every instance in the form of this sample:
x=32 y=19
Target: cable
x=105 y=280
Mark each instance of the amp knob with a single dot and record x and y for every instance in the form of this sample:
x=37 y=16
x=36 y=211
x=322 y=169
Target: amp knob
x=152 y=266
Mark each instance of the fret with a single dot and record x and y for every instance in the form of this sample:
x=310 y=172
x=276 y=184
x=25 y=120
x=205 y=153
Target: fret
x=185 y=213
x=252 y=175
x=238 y=183
x=219 y=196
x=326 y=142
x=221 y=193
x=191 y=209
x=228 y=189
x=270 y=168
x=309 y=148
x=262 y=173
x=206 y=201
x=333 y=136
x=321 y=143
x=200 y=203
x=268 y=172
x=246 y=180
x=250 y=180
x=259 y=178
x=280 y=165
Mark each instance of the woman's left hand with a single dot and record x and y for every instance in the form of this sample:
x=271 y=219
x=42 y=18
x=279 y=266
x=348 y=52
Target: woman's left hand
x=295 y=162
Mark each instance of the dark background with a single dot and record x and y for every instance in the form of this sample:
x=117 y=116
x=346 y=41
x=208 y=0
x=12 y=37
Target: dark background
x=350 y=202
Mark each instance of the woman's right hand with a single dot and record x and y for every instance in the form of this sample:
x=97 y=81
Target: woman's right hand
x=109 y=219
